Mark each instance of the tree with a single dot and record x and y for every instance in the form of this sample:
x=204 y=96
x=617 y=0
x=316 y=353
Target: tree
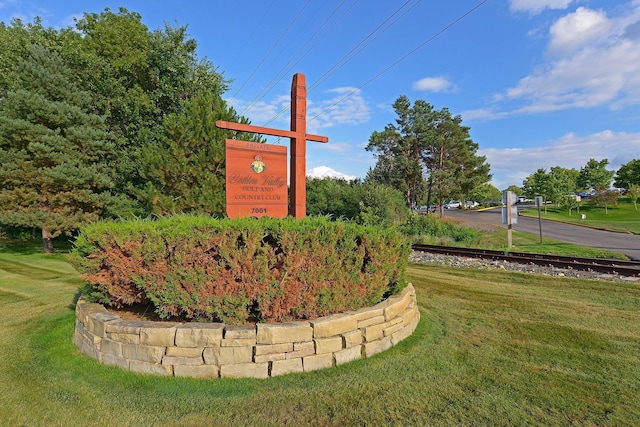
x=137 y=78
x=570 y=202
x=515 y=189
x=562 y=182
x=605 y=198
x=427 y=152
x=381 y=205
x=453 y=166
x=336 y=197
x=537 y=184
x=595 y=175
x=485 y=193
x=628 y=174
x=185 y=170
x=399 y=149
x=634 y=194
x=54 y=153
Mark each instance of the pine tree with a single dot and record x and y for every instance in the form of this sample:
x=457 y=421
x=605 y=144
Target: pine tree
x=53 y=153
x=427 y=143
x=185 y=170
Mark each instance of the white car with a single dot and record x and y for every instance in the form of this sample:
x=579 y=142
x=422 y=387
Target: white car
x=453 y=204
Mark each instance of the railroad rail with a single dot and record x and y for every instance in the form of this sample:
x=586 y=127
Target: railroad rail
x=601 y=265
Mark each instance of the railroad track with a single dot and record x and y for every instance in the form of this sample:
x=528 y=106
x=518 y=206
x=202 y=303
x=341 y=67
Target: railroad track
x=601 y=265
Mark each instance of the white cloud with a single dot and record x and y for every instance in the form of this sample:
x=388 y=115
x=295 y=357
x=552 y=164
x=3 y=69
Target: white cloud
x=482 y=114
x=433 y=84
x=7 y=3
x=327 y=172
x=535 y=7
x=600 y=66
x=345 y=106
x=512 y=165
x=262 y=112
x=577 y=29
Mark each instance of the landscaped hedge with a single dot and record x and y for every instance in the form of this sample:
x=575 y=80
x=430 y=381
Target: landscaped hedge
x=242 y=270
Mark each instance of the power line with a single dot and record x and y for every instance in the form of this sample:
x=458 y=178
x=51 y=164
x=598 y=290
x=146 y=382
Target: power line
x=354 y=52
x=255 y=29
x=442 y=31
x=349 y=56
x=272 y=48
x=284 y=70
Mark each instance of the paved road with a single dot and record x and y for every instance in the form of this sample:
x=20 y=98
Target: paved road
x=628 y=244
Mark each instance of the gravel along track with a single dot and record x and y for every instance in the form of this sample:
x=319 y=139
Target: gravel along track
x=464 y=262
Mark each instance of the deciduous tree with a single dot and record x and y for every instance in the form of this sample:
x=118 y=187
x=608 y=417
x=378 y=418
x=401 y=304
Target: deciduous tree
x=628 y=174
x=562 y=182
x=634 y=194
x=595 y=175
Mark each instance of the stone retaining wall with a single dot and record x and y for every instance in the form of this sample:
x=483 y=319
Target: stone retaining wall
x=212 y=350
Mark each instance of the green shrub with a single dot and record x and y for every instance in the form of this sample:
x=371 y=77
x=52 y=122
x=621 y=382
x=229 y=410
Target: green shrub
x=241 y=270
x=418 y=226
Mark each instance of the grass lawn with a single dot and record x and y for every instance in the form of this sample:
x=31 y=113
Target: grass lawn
x=492 y=348
x=526 y=242
x=622 y=217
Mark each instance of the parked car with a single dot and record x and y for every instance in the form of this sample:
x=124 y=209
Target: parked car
x=471 y=204
x=453 y=204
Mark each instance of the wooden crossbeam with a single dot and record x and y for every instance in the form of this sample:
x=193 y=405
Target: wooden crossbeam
x=298 y=136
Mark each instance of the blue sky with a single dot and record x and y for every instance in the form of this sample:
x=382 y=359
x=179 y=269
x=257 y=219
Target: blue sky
x=540 y=83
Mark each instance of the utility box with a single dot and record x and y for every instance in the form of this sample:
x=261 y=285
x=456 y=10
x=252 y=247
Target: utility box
x=583 y=216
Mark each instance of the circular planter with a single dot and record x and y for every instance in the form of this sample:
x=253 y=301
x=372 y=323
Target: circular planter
x=213 y=350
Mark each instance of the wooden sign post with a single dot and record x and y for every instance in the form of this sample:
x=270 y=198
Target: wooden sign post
x=298 y=136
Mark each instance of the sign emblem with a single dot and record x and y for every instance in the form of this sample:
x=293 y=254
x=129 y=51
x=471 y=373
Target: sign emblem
x=258 y=166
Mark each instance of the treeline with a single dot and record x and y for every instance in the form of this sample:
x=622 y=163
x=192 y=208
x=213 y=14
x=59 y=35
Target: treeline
x=107 y=118
x=560 y=185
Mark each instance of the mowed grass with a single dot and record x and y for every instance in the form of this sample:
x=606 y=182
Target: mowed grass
x=622 y=217
x=492 y=348
x=530 y=243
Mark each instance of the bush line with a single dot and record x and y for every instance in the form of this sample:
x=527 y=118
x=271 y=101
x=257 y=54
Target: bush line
x=242 y=270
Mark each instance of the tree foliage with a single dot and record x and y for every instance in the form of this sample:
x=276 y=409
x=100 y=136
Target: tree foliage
x=605 y=198
x=594 y=175
x=135 y=77
x=628 y=174
x=368 y=203
x=553 y=186
x=518 y=191
x=634 y=194
x=155 y=98
x=138 y=77
x=54 y=152
x=562 y=182
x=427 y=154
x=185 y=170
x=537 y=184
x=485 y=194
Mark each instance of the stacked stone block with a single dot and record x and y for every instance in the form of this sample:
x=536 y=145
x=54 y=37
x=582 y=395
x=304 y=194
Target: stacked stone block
x=213 y=350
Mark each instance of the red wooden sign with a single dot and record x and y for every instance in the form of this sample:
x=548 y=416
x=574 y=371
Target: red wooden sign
x=256 y=179
x=299 y=137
